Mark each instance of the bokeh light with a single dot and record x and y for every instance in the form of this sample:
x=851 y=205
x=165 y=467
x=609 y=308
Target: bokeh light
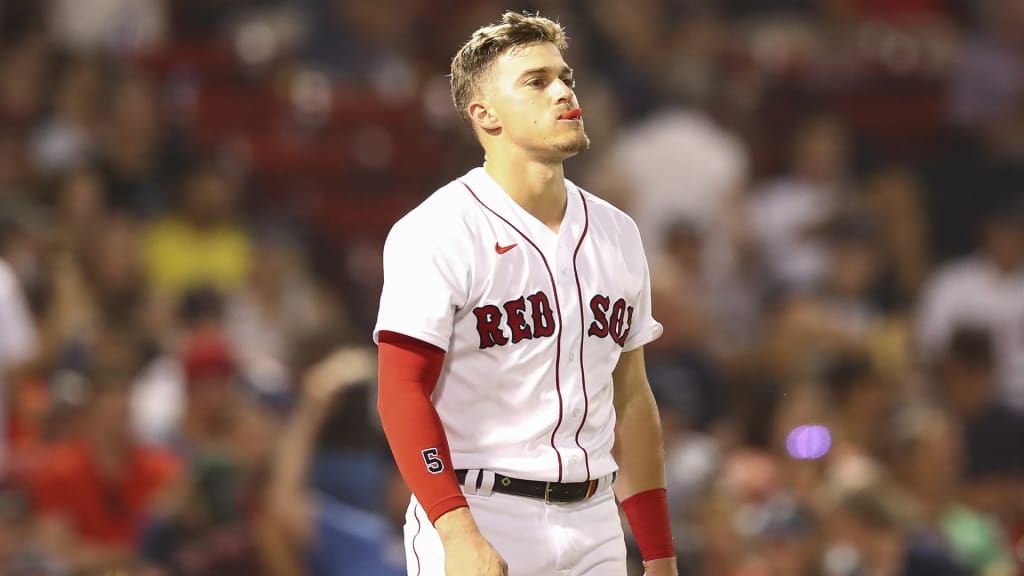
x=808 y=442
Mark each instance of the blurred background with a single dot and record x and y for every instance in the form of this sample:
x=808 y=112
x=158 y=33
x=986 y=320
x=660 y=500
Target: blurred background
x=193 y=202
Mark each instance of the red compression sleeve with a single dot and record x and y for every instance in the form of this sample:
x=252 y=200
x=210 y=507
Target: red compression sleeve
x=647 y=513
x=408 y=371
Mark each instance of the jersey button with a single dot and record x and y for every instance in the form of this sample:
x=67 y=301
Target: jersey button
x=572 y=355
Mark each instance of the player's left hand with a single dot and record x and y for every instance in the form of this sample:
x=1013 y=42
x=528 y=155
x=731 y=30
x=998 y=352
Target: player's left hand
x=661 y=567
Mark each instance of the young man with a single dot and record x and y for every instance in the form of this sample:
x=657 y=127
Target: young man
x=511 y=325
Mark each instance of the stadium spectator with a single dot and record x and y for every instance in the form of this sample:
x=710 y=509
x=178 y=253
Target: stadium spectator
x=18 y=337
x=992 y=434
x=117 y=25
x=985 y=290
x=859 y=403
x=926 y=456
x=789 y=214
x=279 y=304
x=209 y=524
x=330 y=537
x=812 y=175
x=871 y=530
x=93 y=493
x=203 y=243
x=79 y=205
x=138 y=155
x=69 y=136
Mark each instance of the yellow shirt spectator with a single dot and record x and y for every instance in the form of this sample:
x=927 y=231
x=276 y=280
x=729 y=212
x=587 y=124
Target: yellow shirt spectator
x=180 y=256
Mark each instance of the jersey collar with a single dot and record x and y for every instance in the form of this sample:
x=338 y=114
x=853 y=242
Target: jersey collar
x=494 y=196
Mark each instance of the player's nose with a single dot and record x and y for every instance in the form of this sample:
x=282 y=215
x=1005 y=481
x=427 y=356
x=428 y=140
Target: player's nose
x=563 y=92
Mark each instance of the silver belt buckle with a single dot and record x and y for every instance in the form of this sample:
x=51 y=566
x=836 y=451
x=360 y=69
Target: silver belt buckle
x=547 y=492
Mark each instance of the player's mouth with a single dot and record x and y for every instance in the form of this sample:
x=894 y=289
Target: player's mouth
x=575 y=114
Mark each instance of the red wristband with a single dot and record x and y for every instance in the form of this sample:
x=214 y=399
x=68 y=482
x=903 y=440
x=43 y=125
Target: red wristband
x=647 y=513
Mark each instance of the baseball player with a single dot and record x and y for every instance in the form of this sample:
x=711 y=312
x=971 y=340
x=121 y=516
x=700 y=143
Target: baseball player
x=511 y=329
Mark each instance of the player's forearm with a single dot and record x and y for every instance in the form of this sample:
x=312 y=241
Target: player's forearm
x=639 y=450
x=640 y=486
x=409 y=370
x=420 y=447
x=640 y=454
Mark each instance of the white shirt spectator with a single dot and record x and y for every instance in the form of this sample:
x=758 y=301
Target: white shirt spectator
x=129 y=25
x=972 y=292
x=18 y=340
x=783 y=215
x=158 y=401
x=678 y=165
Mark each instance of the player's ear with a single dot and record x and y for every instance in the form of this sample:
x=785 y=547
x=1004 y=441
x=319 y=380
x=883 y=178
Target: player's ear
x=483 y=116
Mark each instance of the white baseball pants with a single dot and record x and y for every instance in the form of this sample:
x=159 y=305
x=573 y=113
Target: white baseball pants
x=535 y=538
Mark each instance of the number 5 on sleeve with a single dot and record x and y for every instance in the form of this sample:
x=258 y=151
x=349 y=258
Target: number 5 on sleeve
x=430 y=458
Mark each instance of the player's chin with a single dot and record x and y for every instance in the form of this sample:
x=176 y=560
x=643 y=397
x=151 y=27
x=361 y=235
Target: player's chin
x=574 y=144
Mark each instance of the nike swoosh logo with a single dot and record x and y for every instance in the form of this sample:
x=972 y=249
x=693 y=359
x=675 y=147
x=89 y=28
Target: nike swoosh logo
x=502 y=249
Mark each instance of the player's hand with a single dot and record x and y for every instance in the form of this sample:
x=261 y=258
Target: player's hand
x=466 y=551
x=661 y=567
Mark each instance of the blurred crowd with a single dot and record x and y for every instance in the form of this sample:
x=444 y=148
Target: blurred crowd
x=193 y=202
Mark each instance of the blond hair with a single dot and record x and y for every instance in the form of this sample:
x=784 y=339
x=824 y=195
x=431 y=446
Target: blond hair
x=473 y=61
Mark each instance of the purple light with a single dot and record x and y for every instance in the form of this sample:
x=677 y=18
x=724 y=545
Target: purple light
x=808 y=442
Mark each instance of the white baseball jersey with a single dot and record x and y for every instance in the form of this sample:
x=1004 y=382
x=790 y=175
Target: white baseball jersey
x=533 y=323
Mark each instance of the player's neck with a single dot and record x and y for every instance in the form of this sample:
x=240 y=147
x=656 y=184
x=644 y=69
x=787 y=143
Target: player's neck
x=536 y=186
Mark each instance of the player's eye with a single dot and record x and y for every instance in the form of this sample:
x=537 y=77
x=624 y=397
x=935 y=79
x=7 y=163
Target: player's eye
x=569 y=81
x=536 y=82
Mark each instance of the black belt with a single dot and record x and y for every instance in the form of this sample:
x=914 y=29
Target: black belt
x=561 y=492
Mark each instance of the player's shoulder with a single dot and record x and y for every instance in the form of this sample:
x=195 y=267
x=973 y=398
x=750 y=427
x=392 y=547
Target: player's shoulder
x=600 y=209
x=442 y=214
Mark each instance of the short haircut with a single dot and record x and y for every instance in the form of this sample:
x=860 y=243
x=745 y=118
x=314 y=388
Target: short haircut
x=879 y=505
x=473 y=61
x=972 y=346
x=845 y=373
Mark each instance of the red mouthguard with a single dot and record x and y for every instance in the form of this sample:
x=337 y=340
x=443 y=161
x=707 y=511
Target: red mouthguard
x=572 y=114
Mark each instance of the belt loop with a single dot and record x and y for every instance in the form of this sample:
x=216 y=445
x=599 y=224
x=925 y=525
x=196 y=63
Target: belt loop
x=487 y=487
x=469 y=486
x=547 y=492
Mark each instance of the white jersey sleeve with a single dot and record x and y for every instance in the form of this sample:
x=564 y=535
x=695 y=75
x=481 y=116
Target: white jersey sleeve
x=425 y=279
x=644 y=328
